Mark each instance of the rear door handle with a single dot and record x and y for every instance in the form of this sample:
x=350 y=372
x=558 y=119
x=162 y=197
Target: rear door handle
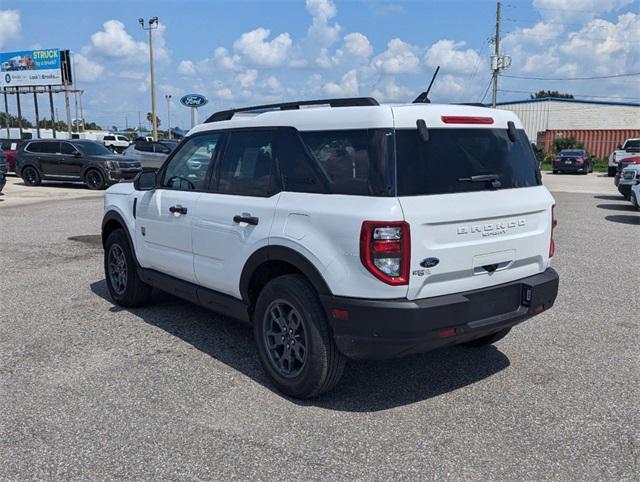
x=177 y=209
x=246 y=219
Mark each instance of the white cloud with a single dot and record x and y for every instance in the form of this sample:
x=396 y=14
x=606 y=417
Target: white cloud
x=247 y=78
x=348 y=86
x=10 y=25
x=116 y=43
x=392 y=92
x=389 y=9
x=320 y=31
x=357 y=45
x=257 y=50
x=187 y=68
x=577 y=9
x=399 y=58
x=273 y=85
x=87 y=70
x=451 y=57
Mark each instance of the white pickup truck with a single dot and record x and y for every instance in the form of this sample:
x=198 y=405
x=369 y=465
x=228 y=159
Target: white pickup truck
x=630 y=148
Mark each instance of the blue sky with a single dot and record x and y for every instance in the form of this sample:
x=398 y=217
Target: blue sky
x=239 y=53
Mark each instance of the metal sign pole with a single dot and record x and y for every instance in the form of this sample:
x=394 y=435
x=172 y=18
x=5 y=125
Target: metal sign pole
x=65 y=80
x=53 y=115
x=6 y=110
x=19 y=111
x=194 y=117
x=35 y=104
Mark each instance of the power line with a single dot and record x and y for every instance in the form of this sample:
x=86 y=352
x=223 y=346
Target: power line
x=631 y=74
x=486 y=90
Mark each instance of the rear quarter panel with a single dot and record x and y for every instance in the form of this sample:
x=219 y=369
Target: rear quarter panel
x=326 y=230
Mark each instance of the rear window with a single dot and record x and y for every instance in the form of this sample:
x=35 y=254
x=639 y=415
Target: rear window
x=44 y=147
x=448 y=161
x=572 y=153
x=353 y=161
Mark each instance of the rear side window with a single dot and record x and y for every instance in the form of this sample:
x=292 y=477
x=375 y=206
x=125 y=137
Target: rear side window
x=353 y=161
x=247 y=164
x=44 y=147
x=68 y=148
x=296 y=167
x=109 y=138
x=161 y=148
x=451 y=157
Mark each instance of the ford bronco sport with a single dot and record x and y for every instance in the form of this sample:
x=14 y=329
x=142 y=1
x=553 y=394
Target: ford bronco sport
x=342 y=229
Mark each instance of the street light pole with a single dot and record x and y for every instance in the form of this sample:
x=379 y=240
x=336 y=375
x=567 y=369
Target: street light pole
x=168 y=97
x=152 y=25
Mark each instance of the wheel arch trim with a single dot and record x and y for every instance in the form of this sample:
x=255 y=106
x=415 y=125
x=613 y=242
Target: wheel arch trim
x=114 y=216
x=287 y=255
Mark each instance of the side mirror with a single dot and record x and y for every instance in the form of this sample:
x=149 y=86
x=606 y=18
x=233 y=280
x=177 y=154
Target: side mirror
x=77 y=154
x=145 y=181
x=619 y=146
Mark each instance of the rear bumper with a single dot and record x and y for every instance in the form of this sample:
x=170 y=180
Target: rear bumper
x=571 y=167
x=392 y=328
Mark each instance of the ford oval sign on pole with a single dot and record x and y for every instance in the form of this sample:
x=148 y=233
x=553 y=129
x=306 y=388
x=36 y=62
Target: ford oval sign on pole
x=193 y=101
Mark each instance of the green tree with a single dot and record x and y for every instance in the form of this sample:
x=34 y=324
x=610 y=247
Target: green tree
x=562 y=143
x=150 y=116
x=541 y=94
x=13 y=121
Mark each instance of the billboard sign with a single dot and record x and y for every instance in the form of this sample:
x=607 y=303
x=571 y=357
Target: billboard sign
x=193 y=100
x=30 y=68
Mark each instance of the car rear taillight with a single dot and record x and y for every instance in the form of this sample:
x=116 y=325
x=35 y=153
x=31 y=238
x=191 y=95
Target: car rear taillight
x=579 y=161
x=554 y=223
x=385 y=250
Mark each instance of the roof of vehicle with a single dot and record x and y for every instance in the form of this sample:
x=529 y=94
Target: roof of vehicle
x=73 y=141
x=322 y=117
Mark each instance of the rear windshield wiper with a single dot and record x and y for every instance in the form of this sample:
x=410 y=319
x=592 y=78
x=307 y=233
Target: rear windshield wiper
x=480 y=178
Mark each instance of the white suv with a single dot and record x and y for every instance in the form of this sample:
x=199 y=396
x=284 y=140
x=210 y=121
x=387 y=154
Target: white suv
x=342 y=229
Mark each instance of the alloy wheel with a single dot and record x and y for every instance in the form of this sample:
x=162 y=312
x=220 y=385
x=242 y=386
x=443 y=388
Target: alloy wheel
x=93 y=179
x=285 y=338
x=117 y=265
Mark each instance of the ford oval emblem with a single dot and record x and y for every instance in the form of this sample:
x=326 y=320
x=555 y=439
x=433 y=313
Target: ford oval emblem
x=193 y=100
x=429 y=262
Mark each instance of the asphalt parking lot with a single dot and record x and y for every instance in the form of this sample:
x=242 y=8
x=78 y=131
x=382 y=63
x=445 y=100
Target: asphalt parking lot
x=89 y=390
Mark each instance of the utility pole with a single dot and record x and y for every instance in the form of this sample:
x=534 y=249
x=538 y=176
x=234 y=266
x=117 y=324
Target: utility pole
x=37 y=112
x=153 y=24
x=53 y=113
x=6 y=111
x=168 y=97
x=496 y=57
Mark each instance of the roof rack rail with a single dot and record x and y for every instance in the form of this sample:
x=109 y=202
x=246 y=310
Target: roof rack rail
x=224 y=115
x=473 y=104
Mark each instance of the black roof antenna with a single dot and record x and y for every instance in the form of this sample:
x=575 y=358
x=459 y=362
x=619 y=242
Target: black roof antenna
x=423 y=98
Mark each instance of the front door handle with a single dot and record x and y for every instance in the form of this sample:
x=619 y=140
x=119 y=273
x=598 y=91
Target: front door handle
x=245 y=219
x=177 y=209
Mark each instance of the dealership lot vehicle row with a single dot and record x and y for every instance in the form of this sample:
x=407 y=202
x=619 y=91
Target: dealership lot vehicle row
x=174 y=390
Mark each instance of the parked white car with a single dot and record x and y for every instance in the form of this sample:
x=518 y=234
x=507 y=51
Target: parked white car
x=630 y=148
x=115 y=143
x=345 y=229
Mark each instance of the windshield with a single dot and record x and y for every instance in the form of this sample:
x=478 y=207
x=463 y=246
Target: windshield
x=571 y=153
x=463 y=160
x=93 y=149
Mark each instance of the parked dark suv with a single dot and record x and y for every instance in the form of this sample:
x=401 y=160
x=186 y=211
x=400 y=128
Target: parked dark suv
x=72 y=160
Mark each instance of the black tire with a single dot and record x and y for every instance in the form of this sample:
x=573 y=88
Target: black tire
x=611 y=171
x=118 y=258
x=31 y=176
x=94 y=180
x=489 y=339
x=321 y=365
